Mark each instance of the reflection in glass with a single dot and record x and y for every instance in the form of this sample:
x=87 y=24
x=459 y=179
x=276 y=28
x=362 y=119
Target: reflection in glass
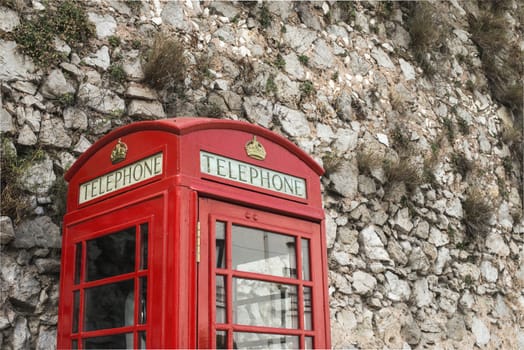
x=259 y=303
x=108 y=306
x=305 y=260
x=111 y=255
x=78 y=261
x=307 y=308
x=220 y=292
x=220 y=238
x=141 y=340
x=115 y=341
x=260 y=251
x=143 y=246
x=221 y=340
x=142 y=316
x=243 y=340
x=76 y=310
x=308 y=343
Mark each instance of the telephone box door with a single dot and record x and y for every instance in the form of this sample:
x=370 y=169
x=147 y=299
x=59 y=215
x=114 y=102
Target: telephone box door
x=107 y=279
x=260 y=282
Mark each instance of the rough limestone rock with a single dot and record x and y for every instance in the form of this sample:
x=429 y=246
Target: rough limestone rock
x=56 y=85
x=397 y=289
x=300 y=39
x=14 y=65
x=294 y=123
x=345 y=179
x=105 y=25
x=322 y=57
x=26 y=136
x=146 y=109
x=21 y=335
x=372 y=245
x=422 y=294
x=480 y=331
x=101 y=100
x=259 y=110
x=75 y=118
x=363 y=282
x=173 y=14
x=39 y=177
x=7 y=232
x=9 y=19
x=53 y=132
x=38 y=232
x=46 y=339
x=99 y=59
x=6 y=121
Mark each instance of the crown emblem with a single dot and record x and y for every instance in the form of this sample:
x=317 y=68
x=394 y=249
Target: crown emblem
x=119 y=153
x=255 y=150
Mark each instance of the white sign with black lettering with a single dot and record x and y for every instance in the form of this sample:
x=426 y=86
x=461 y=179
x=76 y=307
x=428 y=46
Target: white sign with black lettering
x=129 y=175
x=250 y=174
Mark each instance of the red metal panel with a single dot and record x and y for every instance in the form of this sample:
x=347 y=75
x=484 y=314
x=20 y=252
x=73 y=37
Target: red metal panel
x=211 y=211
x=170 y=201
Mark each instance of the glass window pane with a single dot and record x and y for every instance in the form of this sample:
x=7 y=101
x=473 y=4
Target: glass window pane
x=220 y=239
x=114 y=341
x=111 y=255
x=142 y=311
x=308 y=320
x=260 y=251
x=78 y=262
x=76 y=310
x=243 y=340
x=308 y=343
x=259 y=303
x=141 y=340
x=220 y=293
x=74 y=344
x=144 y=230
x=109 y=306
x=221 y=340
x=305 y=260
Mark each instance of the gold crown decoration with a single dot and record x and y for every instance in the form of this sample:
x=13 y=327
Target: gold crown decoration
x=255 y=150
x=119 y=153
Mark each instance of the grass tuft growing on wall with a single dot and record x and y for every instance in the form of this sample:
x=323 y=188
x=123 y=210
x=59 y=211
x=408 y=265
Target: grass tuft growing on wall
x=166 y=66
x=477 y=214
x=35 y=37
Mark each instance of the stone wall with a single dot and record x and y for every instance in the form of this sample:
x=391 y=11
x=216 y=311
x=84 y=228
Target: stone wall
x=423 y=208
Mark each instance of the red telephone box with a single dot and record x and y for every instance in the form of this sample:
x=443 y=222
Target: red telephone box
x=193 y=233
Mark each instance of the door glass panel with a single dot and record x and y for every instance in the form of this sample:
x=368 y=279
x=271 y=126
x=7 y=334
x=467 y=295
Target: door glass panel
x=243 y=340
x=109 y=306
x=143 y=300
x=78 y=262
x=76 y=310
x=307 y=308
x=260 y=251
x=111 y=255
x=220 y=292
x=143 y=246
x=220 y=239
x=141 y=340
x=74 y=344
x=305 y=260
x=308 y=343
x=114 y=341
x=221 y=340
x=259 y=303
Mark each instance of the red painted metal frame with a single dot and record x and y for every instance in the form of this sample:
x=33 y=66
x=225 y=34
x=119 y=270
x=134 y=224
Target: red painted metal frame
x=171 y=202
x=212 y=211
